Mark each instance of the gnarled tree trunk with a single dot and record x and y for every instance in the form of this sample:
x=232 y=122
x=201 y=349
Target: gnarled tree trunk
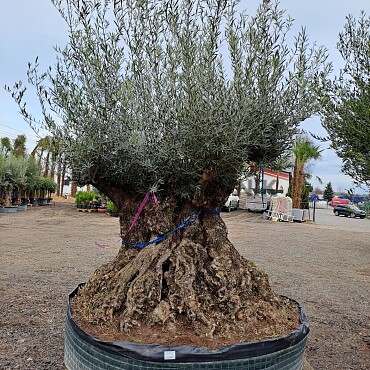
x=194 y=276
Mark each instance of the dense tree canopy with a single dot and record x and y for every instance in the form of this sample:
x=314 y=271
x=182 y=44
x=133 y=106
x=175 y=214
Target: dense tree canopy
x=145 y=98
x=347 y=115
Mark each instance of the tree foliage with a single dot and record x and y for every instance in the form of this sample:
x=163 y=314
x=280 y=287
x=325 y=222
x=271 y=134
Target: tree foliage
x=304 y=150
x=6 y=145
x=17 y=148
x=347 y=114
x=141 y=98
x=328 y=192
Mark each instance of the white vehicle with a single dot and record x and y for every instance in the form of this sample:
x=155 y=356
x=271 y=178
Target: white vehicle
x=231 y=203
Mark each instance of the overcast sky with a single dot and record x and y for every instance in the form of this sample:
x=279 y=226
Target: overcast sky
x=30 y=28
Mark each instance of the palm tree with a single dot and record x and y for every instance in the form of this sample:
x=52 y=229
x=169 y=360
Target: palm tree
x=6 y=145
x=304 y=150
x=50 y=159
x=19 y=146
x=42 y=146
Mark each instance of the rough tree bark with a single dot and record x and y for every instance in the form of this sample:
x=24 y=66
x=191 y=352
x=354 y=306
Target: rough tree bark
x=194 y=276
x=8 y=198
x=63 y=175
x=59 y=174
x=298 y=176
x=73 y=188
x=300 y=180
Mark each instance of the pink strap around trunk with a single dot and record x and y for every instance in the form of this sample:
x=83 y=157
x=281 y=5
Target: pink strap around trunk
x=141 y=207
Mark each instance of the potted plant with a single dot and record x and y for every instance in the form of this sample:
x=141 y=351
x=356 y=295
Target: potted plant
x=86 y=200
x=165 y=138
x=31 y=181
x=112 y=209
x=79 y=199
x=12 y=177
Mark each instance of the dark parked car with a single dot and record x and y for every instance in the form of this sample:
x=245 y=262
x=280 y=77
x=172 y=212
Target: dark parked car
x=348 y=210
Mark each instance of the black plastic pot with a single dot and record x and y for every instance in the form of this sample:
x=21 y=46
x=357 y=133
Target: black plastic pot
x=83 y=351
x=11 y=209
x=42 y=201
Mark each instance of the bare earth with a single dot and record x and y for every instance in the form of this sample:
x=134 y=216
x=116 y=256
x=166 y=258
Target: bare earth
x=46 y=251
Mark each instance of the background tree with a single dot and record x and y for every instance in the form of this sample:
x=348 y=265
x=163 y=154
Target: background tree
x=346 y=117
x=42 y=152
x=6 y=145
x=305 y=193
x=12 y=177
x=145 y=104
x=328 y=192
x=304 y=150
x=2 y=175
x=31 y=177
x=51 y=160
x=19 y=146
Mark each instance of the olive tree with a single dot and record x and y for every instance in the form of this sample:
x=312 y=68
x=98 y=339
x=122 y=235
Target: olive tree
x=12 y=176
x=346 y=116
x=170 y=99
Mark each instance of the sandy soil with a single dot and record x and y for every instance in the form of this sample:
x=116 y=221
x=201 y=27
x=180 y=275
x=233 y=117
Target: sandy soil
x=46 y=251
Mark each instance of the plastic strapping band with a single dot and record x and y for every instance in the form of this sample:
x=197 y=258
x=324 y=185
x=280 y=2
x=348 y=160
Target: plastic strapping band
x=141 y=207
x=187 y=222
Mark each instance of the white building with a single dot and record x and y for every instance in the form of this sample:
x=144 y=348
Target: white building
x=267 y=182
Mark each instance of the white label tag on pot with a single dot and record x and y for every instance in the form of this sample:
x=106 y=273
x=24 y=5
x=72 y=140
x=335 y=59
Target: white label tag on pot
x=170 y=355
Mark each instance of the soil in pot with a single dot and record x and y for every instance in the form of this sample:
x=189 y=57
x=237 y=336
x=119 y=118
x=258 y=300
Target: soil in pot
x=258 y=327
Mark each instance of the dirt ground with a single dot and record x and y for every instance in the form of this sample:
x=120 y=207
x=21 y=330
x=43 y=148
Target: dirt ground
x=46 y=251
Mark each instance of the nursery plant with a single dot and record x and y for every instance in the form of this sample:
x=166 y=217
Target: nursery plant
x=159 y=104
x=12 y=176
x=111 y=207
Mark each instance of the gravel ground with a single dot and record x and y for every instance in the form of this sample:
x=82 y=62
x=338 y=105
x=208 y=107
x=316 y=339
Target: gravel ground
x=46 y=251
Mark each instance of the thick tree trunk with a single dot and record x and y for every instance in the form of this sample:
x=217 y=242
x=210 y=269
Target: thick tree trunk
x=64 y=168
x=39 y=162
x=59 y=174
x=297 y=186
x=300 y=187
x=53 y=165
x=8 y=198
x=46 y=169
x=194 y=276
x=73 y=188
